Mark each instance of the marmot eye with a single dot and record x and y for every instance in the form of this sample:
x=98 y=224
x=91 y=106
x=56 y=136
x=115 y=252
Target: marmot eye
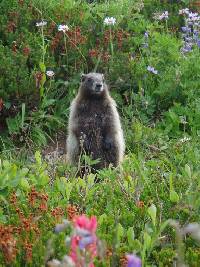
x=89 y=79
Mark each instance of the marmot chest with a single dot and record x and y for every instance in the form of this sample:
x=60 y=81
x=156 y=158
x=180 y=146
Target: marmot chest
x=93 y=117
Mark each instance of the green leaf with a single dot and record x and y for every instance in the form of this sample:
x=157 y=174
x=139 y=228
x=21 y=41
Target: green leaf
x=42 y=66
x=147 y=241
x=23 y=115
x=38 y=157
x=188 y=171
x=102 y=218
x=24 y=184
x=174 y=197
x=130 y=235
x=152 y=213
x=120 y=232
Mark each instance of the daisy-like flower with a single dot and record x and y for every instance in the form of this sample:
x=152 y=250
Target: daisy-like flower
x=41 y=23
x=161 y=16
x=184 y=11
x=151 y=69
x=109 y=21
x=164 y=15
x=50 y=73
x=63 y=28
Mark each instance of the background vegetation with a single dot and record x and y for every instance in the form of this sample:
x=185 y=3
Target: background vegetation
x=149 y=206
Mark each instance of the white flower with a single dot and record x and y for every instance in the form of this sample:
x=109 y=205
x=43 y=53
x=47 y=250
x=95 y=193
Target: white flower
x=161 y=16
x=151 y=69
x=63 y=28
x=184 y=11
x=183 y=119
x=185 y=139
x=164 y=15
x=50 y=73
x=109 y=21
x=41 y=23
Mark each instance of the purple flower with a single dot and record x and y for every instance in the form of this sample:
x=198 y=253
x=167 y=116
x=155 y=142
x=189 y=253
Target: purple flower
x=133 y=261
x=185 y=29
x=198 y=43
x=85 y=241
x=146 y=34
x=188 y=39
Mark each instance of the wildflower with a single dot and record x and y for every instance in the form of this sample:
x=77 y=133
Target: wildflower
x=164 y=15
x=50 y=73
x=85 y=223
x=183 y=120
x=185 y=139
x=41 y=23
x=161 y=16
x=86 y=241
x=133 y=261
x=72 y=211
x=151 y=69
x=198 y=43
x=145 y=44
x=63 y=28
x=184 y=11
x=185 y=29
x=187 y=48
x=57 y=213
x=109 y=21
x=93 y=53
x=193 y=15
x=61 y=227
x=84 y=238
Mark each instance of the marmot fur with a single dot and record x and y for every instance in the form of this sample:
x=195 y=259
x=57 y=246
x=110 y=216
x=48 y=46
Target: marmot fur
x=94 y=125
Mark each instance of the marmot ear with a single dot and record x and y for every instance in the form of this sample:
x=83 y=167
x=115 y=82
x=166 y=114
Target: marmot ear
x=83 y=76
x=103 y=79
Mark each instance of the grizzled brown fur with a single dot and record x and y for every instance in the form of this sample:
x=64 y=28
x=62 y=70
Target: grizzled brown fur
x=94 y=124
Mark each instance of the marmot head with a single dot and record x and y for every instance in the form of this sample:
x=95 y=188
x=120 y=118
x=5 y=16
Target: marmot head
x=93 y=84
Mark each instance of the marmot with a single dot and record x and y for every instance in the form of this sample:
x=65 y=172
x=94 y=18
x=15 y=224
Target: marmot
x=94 y=125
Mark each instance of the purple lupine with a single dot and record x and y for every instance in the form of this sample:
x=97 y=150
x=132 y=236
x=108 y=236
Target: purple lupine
x=133 y=261
x=190 y=30
x=85 y=241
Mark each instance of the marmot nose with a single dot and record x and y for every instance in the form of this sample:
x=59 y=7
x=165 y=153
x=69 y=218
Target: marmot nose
x=98 y=86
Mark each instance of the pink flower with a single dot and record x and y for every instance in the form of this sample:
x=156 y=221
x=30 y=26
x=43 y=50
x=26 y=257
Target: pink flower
x=85 y=223
x=83 y=242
